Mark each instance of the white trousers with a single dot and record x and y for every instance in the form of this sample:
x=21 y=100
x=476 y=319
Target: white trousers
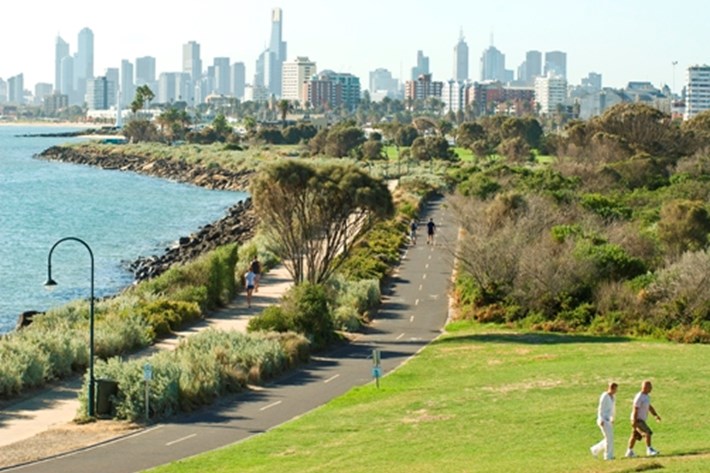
x=607 y=443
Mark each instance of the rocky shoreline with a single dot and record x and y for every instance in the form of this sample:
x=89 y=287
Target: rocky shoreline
x=237 y=225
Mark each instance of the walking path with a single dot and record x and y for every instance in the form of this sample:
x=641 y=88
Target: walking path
x=58 y=406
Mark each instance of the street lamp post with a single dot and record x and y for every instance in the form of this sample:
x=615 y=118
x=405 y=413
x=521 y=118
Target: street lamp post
x=51 y=282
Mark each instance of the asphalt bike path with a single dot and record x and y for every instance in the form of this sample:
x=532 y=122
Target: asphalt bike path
x=414 y=311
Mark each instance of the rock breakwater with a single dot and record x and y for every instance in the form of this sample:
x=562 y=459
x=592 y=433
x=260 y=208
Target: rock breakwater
x=237 y=225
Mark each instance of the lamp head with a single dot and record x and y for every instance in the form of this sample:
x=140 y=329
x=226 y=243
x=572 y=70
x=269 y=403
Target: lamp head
x=50 y=283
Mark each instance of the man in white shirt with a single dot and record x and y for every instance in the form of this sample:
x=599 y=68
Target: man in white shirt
x=605 y=419
x=641 y=407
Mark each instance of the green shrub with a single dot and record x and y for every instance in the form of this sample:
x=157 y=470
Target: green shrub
x=309 y=307
x=273 y=318
x=611 y=261
x=606 y=207
x=163 y=315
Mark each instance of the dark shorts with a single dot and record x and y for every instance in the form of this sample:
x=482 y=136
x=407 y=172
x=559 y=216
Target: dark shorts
x=641 y=429
x=249 y=287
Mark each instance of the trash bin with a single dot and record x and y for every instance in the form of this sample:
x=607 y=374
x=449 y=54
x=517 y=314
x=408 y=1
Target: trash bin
x=105 y=388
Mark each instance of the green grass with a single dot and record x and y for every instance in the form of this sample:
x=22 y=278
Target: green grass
x=483 y=399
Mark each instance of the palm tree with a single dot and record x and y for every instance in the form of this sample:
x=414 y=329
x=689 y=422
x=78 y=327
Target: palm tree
x=284 y=106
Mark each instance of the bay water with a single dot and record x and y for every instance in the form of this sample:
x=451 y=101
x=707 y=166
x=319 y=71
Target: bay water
x=120 y=215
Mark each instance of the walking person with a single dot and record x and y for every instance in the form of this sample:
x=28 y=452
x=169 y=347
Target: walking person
x=413 y=232
x=430 y=229
x=249 y=279
x=605 y=419
x=639 y=429
x=256 y=269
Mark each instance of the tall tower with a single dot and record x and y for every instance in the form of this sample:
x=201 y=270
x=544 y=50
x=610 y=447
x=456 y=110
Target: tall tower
x=556 y=63
x=191 y=62
x=422 y=67
x=83 y=63
x=61 y=50
x=277 y=54
x=461 y=60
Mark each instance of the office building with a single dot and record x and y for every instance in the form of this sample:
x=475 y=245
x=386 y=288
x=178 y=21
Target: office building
x=42 y=90
x=493 y=65
x=422 y=67
x=55 y=103
x=238 y=78
x=454 y=95
x=593 y=82
x=101 y=92
x=83 y=65
x=269 y=65
x=530 y=68
x=175 y=87
x=3 y=91
x=61 y=50
x=127 y=85
x=191 y=62
x=16 y=90
x=556 y=64
x=145 y=71
x=461 y=60
x=323 y=93
x=697 y=90
x=295 y=74
x=221 y=71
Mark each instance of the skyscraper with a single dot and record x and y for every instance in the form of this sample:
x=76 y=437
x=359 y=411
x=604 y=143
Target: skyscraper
x=556 y=63
x=83 y=64
x=16 y=89
x=295 y=75
x=238 y=80
x=530 y=68
x=61 y=50
x=145 y=71
x=422 y=67
x=191 y=62
x=222 y=75
x=461 y=60
x=698 y=90
x=270 y=62
x=127 y=84
x=493 y=65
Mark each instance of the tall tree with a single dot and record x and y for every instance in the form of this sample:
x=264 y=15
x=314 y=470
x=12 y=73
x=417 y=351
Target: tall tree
x=316 y=213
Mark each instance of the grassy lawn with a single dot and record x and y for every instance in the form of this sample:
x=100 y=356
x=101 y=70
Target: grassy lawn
x=485 y=399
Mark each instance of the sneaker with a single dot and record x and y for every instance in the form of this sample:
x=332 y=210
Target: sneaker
x=593 y=452
x=652 y=452
x=630 y=454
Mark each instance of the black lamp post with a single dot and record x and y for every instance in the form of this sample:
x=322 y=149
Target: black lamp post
x=52 y=282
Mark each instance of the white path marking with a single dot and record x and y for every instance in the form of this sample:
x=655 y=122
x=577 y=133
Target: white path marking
x=274 y=404
x=400 y=336
x=188 y=437
x=331 y=378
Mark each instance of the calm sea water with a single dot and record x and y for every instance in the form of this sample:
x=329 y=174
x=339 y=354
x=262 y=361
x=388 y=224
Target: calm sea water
x=120 y=215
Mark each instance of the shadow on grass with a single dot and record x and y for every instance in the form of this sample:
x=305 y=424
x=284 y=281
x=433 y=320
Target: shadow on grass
x=533 y=338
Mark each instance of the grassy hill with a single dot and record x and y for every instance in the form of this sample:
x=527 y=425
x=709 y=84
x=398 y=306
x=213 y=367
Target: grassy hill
x=486 y=399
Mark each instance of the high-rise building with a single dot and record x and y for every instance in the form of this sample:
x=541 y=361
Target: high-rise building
x=556 y=63
x=322 y=92
x=3 y=91
x=191 y=62
x=222 y=75
x=697 y=90
x=100 y=92
x=127 y=86
x=422 y=67
x=174 y=87
x=349 y=86
x=66 y=79
x=461 y=60
x=42 y=90
x=493 y=65
x=16 y=89
x=113 y=76
x=145 y=71
x=550 y=91
x=83 y=64
x=269 y=65
x=422 y=88
x=238 y=80
x=593 y=82
x=295 y=74
x=530 y=68
x=61 y=50
x=382 y=84
x=454 y=95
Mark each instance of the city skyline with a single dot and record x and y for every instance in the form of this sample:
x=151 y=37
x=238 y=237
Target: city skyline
x=624 y=41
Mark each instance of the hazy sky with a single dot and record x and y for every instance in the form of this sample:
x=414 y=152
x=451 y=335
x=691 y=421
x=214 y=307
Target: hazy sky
x=624 y=40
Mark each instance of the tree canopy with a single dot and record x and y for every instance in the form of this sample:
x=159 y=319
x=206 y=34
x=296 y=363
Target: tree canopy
x=314 y=214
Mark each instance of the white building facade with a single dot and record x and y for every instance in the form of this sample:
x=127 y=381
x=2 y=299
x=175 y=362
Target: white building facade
x=698 y=91
x=295 y=74
x=550 y=91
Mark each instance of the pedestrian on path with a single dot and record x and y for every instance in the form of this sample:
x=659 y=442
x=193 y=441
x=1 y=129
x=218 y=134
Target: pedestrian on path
x=430 y=229
x=605 y=420
x=249 y=279
x=413 y=232
x=256 y=269
x=639 y=413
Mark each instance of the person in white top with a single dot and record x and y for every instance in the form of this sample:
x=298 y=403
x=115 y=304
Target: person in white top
x=605 y=420
x=639 y=429
x=249 y=279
